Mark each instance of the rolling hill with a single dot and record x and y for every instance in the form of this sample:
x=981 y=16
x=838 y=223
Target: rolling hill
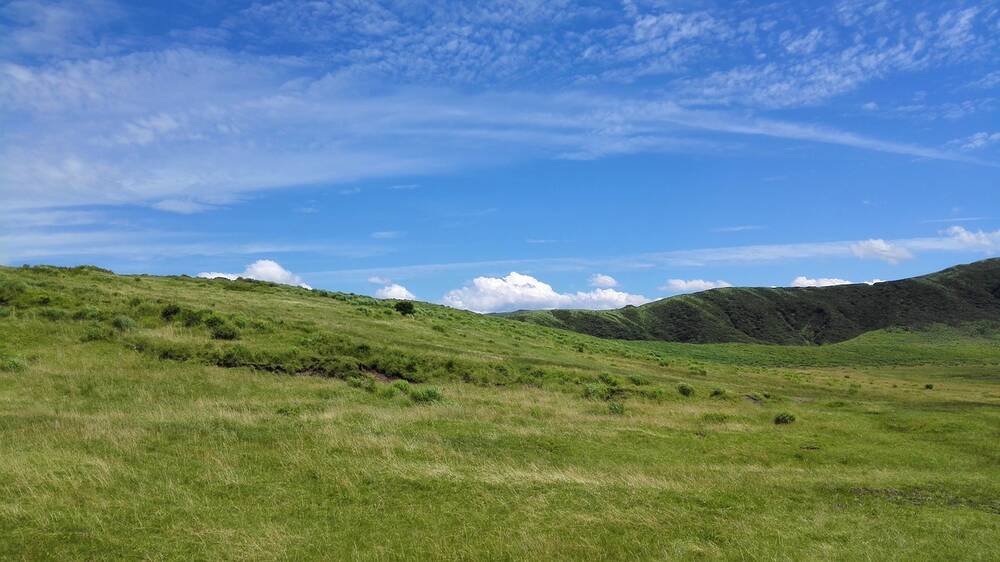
x=816 y=315
x=174 y=418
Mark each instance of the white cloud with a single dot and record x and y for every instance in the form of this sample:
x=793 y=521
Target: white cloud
x=693 y=285
x=395 y=291
x=379 y=280
x=518 y=291
x=978 y=240
x=977 y=141
x=386 y=234
x=262 y=270
x=182 y=206
x=603 y=281
x=803 y=281
x=876 y=248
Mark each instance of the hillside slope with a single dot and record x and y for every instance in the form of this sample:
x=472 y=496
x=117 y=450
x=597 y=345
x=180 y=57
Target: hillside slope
x=816 y=315
x=173 y=418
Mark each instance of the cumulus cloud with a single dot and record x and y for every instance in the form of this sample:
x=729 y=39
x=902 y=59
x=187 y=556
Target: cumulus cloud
x=876 y=248
x=261 y=270
x=693 y=285
x=974 y=240
x=803 y=281
x=395 y=291
x=519 y=291
x=603 y=281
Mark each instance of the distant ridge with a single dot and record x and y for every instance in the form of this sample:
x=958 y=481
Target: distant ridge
x=814 y=315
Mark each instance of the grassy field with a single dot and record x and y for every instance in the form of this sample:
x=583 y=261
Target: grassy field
x=177 y=418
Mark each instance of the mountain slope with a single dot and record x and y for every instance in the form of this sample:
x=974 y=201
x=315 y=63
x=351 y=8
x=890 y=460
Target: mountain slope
x=815 y=315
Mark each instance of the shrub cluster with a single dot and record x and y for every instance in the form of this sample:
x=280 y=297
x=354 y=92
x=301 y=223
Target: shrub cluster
x=784 y=418
x=685 y=389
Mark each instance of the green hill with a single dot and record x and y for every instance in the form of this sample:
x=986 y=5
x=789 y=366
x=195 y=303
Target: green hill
x=819 y=315
x=173 y=418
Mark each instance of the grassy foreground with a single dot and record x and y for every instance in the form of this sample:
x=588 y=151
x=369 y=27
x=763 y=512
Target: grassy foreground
x=174 y=418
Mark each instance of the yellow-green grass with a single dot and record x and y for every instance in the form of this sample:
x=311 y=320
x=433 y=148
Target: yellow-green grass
x=110 y=452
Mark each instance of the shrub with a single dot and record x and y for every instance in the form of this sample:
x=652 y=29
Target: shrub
x=190 y=318
x=638 y=380
x=54 y=314
x=718 y=393
x=616 y=408
x=405 y=308
x=784 y=418
x=123 y=323
x=426 y=394
x=11 y=290
x=929 y=386
x=234 y=356
x=96 y=332
x=714 y=417
x=213 y=321
x=170 y=311
x=9 y=364
x=685 y=389
x=401 y=386
x=224 y=332
x=610 y=380
x=87 y=313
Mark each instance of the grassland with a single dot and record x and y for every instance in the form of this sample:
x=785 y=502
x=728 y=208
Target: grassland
x=178 y=418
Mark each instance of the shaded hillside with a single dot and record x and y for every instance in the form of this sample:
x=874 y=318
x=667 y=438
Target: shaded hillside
x=795 y=315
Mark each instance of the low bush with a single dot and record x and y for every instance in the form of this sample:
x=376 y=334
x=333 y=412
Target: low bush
x=718 y=393
x=170 y=311
x=224 y=332
x=87 y=313
x=123 y=323
x=784 y=418
x=405 y=308
x=685 y=389
x=616 y=408
x=96 y=332
x=54 y=314
x=426 y=394
x=11 y=364
x=714 y=417
x=929 y=386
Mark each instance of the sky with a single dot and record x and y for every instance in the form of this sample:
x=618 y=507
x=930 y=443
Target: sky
x=505 y=155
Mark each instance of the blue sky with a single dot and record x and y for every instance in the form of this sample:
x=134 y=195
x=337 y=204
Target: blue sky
x=503 y=155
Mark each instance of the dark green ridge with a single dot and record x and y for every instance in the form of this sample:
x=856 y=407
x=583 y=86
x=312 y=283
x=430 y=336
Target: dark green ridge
x=789 y=316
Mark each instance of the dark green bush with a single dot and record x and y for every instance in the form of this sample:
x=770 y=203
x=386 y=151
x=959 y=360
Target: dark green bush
x=718 y=393
x=123 y=323
x=685 y=389
x=51 y=313
x=224 y=332
x=213 y=321
x=170 y=311
x=11 y=290
x=929 y=386
x=405 y=308
x=784 y=418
